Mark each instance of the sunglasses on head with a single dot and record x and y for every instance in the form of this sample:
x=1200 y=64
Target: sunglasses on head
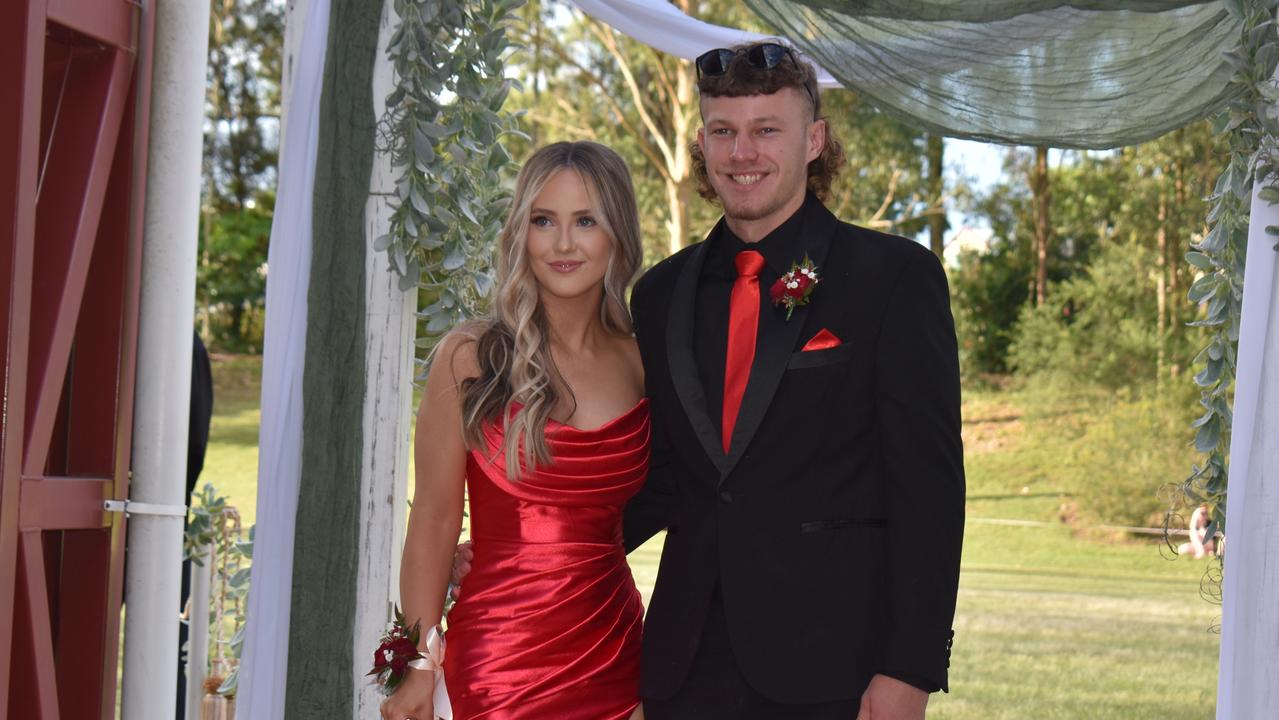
x=762 y=56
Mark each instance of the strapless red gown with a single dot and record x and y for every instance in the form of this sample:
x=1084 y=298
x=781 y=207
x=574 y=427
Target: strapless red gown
x=547 y=625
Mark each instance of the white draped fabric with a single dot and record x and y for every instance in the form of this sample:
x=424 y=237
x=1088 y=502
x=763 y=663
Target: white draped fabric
x=266 y=644
x=1249 y=621
x=661 y=25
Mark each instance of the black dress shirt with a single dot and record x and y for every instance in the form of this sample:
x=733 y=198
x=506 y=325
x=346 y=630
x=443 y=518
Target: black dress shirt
x=780 y=248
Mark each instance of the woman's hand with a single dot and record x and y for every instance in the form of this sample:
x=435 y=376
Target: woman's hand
x=414 y=699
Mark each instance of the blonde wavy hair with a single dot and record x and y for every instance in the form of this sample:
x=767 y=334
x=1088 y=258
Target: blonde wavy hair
x=518 y=382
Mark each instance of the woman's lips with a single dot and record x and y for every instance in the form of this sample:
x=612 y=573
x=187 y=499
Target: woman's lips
x=566 y=266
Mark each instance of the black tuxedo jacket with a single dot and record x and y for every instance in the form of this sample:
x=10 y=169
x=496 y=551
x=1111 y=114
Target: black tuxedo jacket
x=834 y=525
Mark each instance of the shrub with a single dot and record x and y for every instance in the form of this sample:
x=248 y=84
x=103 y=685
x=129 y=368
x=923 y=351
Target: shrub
x=1096 y=327
x=987 y=289
x=1115 y=449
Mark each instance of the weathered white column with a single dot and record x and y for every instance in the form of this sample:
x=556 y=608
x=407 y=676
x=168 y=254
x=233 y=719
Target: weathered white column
x=166 y=322
x=1246 y=686
x=388 y=395
x=198 y=634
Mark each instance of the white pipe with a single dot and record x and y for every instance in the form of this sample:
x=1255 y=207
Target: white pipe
x=198 y=634
x=166 y=321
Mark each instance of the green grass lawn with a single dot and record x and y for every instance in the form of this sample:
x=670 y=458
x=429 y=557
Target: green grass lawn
x=1052 y=622
x=231 y=463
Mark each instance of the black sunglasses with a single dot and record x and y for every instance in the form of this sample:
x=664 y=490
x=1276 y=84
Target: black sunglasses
x=762 y=56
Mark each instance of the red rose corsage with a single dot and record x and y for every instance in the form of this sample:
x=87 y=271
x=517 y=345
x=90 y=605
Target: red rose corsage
x=795 y=288
x=398 y=651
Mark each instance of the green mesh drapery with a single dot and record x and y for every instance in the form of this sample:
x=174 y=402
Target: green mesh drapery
x=1085 y=74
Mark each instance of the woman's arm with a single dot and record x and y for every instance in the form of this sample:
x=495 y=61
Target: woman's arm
x=435 y=520
x=439 y=454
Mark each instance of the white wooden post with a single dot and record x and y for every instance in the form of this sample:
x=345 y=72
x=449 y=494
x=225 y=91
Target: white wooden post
x=388 y=393
x=198 y=633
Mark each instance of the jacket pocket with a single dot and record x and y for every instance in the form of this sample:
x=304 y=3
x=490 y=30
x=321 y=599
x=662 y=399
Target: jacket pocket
x=817 y=358
x=815 y=526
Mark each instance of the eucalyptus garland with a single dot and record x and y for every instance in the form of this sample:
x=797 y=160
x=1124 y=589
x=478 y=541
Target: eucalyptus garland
x=444 y=126
x=1249 y=130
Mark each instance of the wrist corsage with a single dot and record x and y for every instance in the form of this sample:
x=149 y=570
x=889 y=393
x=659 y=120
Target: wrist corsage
x=398 y=652
x=794 y=289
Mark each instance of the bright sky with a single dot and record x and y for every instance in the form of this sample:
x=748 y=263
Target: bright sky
x=982 y=164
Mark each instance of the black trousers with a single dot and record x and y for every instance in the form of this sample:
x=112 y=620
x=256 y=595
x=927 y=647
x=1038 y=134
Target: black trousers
x=716 y=690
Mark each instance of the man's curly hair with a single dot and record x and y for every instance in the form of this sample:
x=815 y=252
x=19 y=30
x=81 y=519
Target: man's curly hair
x=741 y=79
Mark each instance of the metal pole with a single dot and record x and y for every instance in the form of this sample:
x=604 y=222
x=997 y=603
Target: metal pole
x=166 y=322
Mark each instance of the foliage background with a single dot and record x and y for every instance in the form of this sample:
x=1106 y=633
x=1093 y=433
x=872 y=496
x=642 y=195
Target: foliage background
x=241 y=148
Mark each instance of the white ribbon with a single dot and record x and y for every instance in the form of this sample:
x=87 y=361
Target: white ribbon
x=434 y=660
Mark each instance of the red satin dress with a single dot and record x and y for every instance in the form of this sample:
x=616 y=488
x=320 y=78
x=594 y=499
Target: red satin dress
x=547 y=625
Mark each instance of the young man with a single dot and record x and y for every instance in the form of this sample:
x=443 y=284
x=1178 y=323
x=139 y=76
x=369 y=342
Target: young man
x=807 y=463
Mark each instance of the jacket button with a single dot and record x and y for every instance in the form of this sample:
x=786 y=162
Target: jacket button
x=726 y=496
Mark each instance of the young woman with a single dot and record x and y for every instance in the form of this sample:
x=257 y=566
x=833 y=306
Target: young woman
x=540 y=410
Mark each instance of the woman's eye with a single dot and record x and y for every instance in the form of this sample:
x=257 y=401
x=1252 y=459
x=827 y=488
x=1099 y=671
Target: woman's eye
x=586 y=221
x=540 y=221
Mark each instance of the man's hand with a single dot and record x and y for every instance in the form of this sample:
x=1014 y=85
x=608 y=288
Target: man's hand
x=891 y=699
x=461 y=566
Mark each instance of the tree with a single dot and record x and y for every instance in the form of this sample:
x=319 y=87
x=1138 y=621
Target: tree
x=887 y=184
x=1147 y=198
x=240 y=154
x=937 y=219
x=1042 y=191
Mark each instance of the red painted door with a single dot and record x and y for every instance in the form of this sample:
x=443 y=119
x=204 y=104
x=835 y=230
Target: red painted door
x=74 y=80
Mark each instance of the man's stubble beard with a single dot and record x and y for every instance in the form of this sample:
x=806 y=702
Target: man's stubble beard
x=751 y=213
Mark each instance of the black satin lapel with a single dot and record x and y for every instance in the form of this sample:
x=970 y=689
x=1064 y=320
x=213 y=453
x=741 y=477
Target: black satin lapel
x=779 y=338
x=683 y=364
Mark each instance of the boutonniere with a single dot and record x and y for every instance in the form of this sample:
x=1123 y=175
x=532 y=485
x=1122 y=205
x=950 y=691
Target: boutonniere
x=795 y=288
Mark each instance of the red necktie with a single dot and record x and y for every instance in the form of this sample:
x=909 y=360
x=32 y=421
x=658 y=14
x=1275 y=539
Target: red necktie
x=743 y=322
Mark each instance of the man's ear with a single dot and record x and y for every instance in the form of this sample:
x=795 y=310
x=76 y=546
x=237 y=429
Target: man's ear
x=701 y=139
x=816 y=139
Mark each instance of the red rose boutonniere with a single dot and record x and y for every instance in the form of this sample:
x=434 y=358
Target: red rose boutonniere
x=795 y=288
x=397 y=649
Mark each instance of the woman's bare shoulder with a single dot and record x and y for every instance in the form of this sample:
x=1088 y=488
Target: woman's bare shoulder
x=629 y=349
x=456 y=357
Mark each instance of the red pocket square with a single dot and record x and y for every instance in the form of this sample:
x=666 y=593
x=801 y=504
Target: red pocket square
x=823 y=340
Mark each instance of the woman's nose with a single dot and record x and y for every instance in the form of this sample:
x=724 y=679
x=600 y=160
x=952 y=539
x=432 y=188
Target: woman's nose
x=564 y=239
